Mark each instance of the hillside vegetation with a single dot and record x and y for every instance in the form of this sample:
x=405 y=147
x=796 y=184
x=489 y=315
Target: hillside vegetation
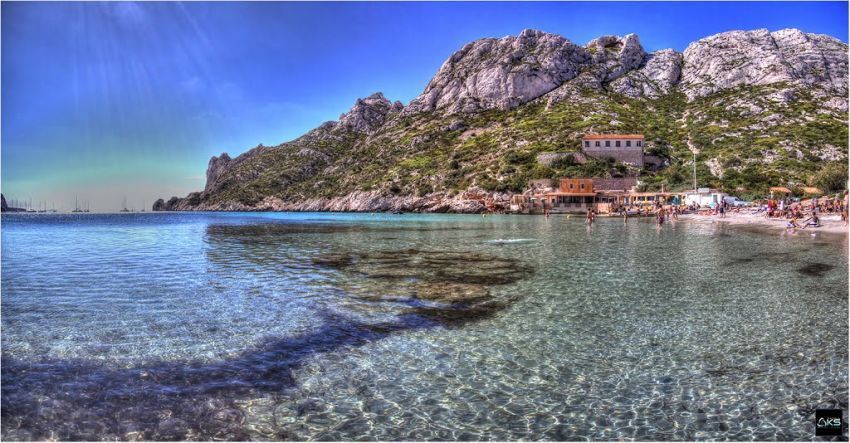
x=749 y=130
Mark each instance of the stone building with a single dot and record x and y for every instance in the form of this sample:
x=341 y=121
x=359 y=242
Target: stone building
x=626 y=148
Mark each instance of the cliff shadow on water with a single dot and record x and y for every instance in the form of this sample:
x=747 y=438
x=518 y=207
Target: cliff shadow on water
x=369 y=295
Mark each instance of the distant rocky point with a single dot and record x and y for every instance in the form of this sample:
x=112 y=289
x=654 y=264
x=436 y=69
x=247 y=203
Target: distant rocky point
x=6 y=208
x=760 y=109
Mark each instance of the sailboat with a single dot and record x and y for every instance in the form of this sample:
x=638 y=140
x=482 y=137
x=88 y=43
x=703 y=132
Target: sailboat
x=76 y=205
x=124 y=205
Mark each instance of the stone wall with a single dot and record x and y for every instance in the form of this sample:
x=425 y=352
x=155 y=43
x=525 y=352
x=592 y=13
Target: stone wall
x=632 y=155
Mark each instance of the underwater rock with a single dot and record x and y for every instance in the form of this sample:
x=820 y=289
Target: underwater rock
x=815 y=269
x=437 y=285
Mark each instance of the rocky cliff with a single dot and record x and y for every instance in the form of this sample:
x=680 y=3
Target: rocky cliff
x=760 y=108
x=4 y=207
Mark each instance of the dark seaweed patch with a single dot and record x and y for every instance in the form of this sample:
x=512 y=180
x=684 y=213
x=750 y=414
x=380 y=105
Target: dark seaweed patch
x=815 y=269
x=455 y=286
x=739 y=261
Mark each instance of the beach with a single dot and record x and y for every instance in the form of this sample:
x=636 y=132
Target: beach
x=830 y=224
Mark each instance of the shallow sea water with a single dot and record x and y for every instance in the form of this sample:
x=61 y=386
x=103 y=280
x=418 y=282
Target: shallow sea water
x=413 y=327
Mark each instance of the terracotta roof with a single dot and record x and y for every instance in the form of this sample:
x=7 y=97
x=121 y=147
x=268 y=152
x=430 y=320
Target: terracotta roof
x=780 y=189
x=812 y=190
x=613 y=137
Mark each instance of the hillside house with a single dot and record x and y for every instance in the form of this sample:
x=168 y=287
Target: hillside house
x=626 y=148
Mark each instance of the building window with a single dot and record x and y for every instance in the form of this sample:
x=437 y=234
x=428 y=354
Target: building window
x=597 y=144
x=586 y=144
x=638 y=143
x=617 y=143
x=628 y=143
x=582 y=186
x=607 y=143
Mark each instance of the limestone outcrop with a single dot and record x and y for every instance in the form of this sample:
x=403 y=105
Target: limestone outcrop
x=501 y=73
x=761 y=57
x=747 y=97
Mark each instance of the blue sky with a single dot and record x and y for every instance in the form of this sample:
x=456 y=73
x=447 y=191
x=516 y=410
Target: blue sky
x=107 y=100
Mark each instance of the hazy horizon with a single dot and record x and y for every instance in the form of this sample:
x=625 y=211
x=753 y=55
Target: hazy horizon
x=106 y=101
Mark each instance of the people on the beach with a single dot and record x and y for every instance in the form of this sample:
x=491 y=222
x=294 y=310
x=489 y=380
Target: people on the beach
x=812 y=221
x=792 y=224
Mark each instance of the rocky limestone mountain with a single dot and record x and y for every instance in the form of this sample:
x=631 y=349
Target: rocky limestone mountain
x=368 y=114
x=501 y=73
x=760 y=108
x=658 y=73
x=761 y=57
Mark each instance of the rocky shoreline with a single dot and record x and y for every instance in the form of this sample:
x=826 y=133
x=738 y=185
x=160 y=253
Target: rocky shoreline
x=472 y=201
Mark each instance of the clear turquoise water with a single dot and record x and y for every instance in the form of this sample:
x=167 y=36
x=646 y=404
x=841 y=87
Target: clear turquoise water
x=359 y=326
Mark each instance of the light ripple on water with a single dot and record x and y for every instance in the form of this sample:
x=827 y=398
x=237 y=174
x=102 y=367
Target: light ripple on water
x=339 y=326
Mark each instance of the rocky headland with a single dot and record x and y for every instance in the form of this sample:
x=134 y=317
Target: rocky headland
x=760 y=108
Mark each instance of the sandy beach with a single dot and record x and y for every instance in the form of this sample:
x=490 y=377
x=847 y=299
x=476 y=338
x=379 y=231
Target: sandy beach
x=830 y=223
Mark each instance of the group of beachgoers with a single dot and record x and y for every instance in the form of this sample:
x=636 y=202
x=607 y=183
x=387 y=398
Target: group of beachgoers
x=802 y=215
x=799 y=215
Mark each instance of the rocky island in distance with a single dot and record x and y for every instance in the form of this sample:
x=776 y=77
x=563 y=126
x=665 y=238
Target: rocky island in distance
x=760 y=109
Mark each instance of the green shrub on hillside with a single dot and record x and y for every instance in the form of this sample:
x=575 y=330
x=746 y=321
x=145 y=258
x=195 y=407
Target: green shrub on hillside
x=831 y=178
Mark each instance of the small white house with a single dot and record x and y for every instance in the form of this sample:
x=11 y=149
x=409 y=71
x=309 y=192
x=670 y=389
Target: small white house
x=704 y=197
